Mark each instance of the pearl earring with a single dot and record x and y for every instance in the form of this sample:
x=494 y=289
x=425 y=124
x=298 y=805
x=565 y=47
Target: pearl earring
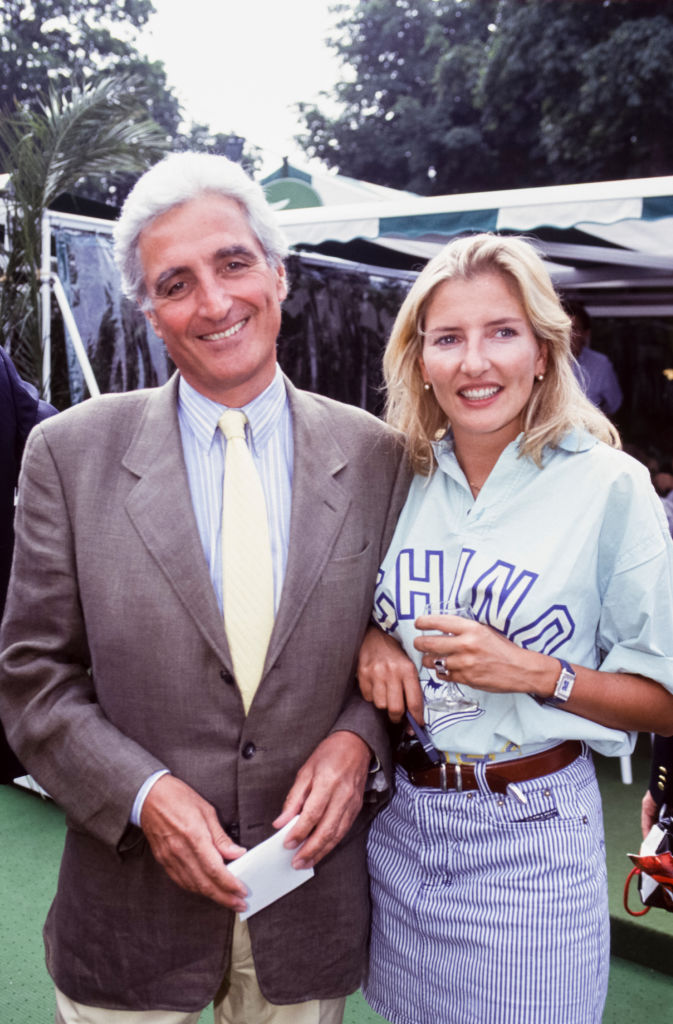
x=427 y=386
x=540 y=377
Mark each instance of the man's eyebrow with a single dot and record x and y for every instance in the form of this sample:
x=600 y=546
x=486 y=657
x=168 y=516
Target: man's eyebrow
x=226 y=252
x=166 y=275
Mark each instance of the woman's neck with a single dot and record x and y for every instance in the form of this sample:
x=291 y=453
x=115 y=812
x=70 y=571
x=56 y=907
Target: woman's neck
x=477 y=457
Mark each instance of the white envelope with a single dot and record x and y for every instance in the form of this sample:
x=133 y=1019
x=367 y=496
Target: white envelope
x=267 y=871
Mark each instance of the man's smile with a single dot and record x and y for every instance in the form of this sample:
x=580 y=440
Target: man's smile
x=221 y=335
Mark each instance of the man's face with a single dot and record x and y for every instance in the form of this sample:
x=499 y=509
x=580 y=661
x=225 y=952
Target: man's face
x=215 y=299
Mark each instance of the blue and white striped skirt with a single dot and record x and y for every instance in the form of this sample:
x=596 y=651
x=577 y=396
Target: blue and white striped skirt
x=488 y=910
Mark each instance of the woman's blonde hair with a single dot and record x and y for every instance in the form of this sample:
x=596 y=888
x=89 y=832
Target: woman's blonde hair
x=557 y=403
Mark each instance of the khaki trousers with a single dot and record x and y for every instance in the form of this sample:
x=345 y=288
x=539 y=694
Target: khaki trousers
x=242 y=1004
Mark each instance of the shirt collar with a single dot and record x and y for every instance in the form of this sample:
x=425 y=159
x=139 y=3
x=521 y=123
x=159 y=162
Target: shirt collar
x=263 y=412
x=576 y=440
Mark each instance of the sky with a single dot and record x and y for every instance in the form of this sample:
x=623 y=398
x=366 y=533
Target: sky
x=238 y=67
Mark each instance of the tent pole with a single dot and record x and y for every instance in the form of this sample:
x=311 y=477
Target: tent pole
x=74 y=335
x=45 y=308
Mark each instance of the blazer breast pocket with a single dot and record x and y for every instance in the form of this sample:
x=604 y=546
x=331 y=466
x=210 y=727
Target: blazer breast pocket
x=349 y=567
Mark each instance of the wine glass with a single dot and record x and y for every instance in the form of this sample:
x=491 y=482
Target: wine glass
x=446 y=695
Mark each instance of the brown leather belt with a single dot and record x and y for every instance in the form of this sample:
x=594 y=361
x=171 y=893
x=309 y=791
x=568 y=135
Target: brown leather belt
x=498 y=775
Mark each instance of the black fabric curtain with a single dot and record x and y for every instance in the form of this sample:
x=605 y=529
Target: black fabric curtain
x=335 y=323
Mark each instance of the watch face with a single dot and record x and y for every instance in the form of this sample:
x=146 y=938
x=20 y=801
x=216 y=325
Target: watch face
x=565 y=683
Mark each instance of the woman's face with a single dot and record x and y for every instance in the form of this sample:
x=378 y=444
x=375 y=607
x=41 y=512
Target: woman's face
x=481 y=357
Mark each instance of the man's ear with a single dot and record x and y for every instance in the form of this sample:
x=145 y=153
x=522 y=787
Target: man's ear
x=149 y=313
x=281 y=284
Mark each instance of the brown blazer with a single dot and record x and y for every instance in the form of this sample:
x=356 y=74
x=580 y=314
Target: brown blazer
x=115 y=664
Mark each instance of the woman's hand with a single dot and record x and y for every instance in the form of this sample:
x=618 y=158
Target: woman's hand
x=478 y=656
x=387 y=677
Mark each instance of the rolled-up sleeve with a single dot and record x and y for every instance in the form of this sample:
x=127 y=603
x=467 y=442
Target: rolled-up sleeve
x=636 y=631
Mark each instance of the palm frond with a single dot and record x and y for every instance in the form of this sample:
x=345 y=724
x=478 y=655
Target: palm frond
x=100 y=130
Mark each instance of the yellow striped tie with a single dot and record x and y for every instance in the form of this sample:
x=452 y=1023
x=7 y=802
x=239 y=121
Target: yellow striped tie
x=247 y=572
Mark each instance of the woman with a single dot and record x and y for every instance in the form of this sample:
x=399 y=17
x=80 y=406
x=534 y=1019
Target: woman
x=488 y=872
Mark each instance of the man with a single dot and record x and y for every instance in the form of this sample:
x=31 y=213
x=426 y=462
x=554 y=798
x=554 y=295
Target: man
x=20 y=410
x=118 y=682
x=593 y=369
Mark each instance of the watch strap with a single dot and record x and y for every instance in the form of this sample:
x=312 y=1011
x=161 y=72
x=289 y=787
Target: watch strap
x=564 y=684
x=563 y=688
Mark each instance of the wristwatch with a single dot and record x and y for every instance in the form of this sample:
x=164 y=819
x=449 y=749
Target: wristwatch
x=564 y=685
x=562 y=690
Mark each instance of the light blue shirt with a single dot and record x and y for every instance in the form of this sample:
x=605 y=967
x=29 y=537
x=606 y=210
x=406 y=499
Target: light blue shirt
x=667 y=503
x=574 y=560
x=269 y=435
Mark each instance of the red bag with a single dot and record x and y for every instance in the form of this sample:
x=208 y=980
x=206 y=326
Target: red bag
x=654 y=869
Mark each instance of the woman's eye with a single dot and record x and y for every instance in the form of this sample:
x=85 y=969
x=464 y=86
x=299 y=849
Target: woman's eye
x=175 y=289
x=445 y=340
x=505 y=332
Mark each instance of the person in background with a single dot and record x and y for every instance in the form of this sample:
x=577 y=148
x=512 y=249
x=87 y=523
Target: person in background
x=177 y=714
x=662 y=481
x=594 y=370
x=667 y=502
x=663 y=485
x=20 y=409
x=658 y=798
x=487 y=867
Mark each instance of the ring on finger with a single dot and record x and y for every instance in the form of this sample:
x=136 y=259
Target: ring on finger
x=440 y=667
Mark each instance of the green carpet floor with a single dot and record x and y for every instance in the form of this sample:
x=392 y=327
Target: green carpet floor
x=31 y=839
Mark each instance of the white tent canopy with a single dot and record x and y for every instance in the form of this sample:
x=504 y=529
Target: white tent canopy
x=609 y=243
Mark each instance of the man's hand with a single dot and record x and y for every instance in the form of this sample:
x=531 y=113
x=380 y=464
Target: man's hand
x=188 y=841
x=649 y=813
x=387 y=677
x=327 y=794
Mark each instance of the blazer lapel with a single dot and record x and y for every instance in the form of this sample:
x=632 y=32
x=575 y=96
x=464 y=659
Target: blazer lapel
x=319 y=506
x=160 y=508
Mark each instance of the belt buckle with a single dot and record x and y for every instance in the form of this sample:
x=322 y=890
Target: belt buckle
x=443 y=776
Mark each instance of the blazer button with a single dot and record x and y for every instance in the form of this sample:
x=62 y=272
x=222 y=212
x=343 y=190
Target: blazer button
x=249 y=751
x=226 y=677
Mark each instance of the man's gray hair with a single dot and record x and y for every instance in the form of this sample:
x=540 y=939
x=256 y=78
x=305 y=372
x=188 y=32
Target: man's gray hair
x=177 y=179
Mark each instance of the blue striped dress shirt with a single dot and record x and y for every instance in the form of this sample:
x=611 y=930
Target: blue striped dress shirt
x=269 y=434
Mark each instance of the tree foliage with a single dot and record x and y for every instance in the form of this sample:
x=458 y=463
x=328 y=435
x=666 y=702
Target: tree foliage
x=60 y=44
x=201 y=139
x=406 y=103
x=463 y=95
x=97 y=128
